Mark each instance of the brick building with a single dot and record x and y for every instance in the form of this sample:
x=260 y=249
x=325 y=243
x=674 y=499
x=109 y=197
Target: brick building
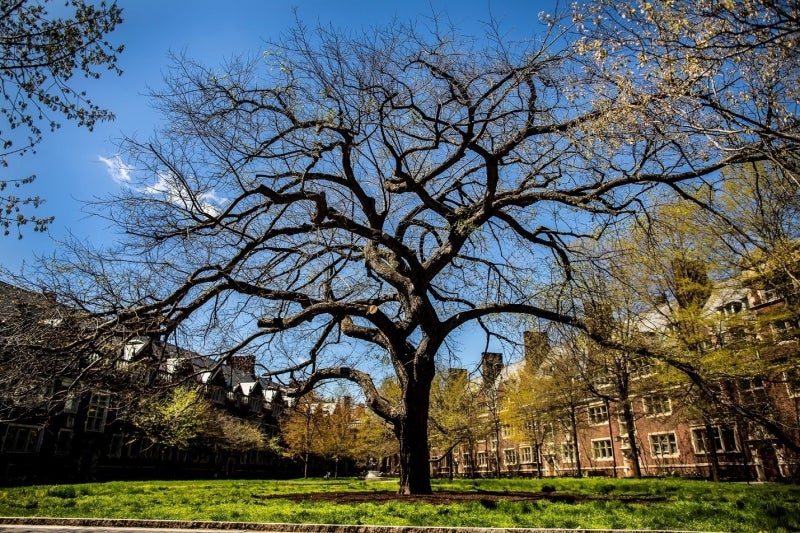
x=55 y=426
x=751 y=330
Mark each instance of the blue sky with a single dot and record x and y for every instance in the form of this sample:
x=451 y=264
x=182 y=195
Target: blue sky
x=71 y=164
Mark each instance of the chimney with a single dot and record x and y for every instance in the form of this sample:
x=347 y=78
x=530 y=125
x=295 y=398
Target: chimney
x=537 y=347
x=245 y=364
x=491 y=366
x=455 y=375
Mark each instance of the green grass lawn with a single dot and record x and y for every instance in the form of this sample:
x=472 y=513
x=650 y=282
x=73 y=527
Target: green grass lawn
x=576 y=503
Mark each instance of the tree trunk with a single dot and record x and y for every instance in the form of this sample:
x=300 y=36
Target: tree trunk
x=539 y=460
x=411 y=430
x=627 y=414
x=712 y=450
x=451 y=464
x=574 y=428
x=611 y=436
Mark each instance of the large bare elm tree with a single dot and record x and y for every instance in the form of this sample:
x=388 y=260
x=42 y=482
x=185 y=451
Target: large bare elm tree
x=338 y=202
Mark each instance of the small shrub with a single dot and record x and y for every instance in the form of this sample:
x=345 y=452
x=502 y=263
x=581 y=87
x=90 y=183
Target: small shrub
x=66 y=492
x=547 y=489
x=607 y=488
x=488 y=504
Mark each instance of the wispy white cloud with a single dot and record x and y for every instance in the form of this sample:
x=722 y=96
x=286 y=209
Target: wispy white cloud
x=175 y=191
x=119 y=171
x=168 y=186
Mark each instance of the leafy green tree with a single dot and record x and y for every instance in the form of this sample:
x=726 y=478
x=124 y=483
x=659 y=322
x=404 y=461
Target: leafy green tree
x=237 y=435
x=39 y=55
x=376 y=440
x=454 y=419
x=180 y=418
x=337 y=436
x=300 y=428
x=677 y=267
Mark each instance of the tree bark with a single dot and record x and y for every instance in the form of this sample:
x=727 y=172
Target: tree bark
x=411 y=429
x=574 y=428
x=627 y=414
x=712 y=450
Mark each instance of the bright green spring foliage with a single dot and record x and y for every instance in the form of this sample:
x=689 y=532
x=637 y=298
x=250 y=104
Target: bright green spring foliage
x=41 y=54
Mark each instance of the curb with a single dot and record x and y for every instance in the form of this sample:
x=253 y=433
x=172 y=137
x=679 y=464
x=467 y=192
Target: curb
x=290 y=528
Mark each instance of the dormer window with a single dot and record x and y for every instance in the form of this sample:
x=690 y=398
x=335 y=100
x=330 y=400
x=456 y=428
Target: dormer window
x=218 y=394
x=731 y=308
x=769 y=295
x=130 y=349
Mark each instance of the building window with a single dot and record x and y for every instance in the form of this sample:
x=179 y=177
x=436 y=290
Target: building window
x=568 y=452
x=663 y=445
x=657 y=404
x=218 y=394
x=640 y=368
x=793 y=382
x=255 y=404
x=132 y=349
x=71 y=404
x=21 y=439
x=755 y=383
x=601 y=449
x=731 y=308
x=510 y=456
x=481 y=459
x=63 y=442
x=598 y=414
x=768 y=295
x=115 y=446
x=623 y=427
x=493 y=443
x=507 y=431
x=724 y=440
x=466 y=460
x=132 y=448
x=98 y=410
x=526 y=454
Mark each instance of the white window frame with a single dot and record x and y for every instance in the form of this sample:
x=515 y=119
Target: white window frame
x=640 y=368
x=510 y=456
x=700 y=440
x=482 y=458
x=657 y=405
x=526 y=454
x=97 y=412
x=602 y=449
x=568 y=452
x=598 y=414
x=659 y=440
x=22 y=438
